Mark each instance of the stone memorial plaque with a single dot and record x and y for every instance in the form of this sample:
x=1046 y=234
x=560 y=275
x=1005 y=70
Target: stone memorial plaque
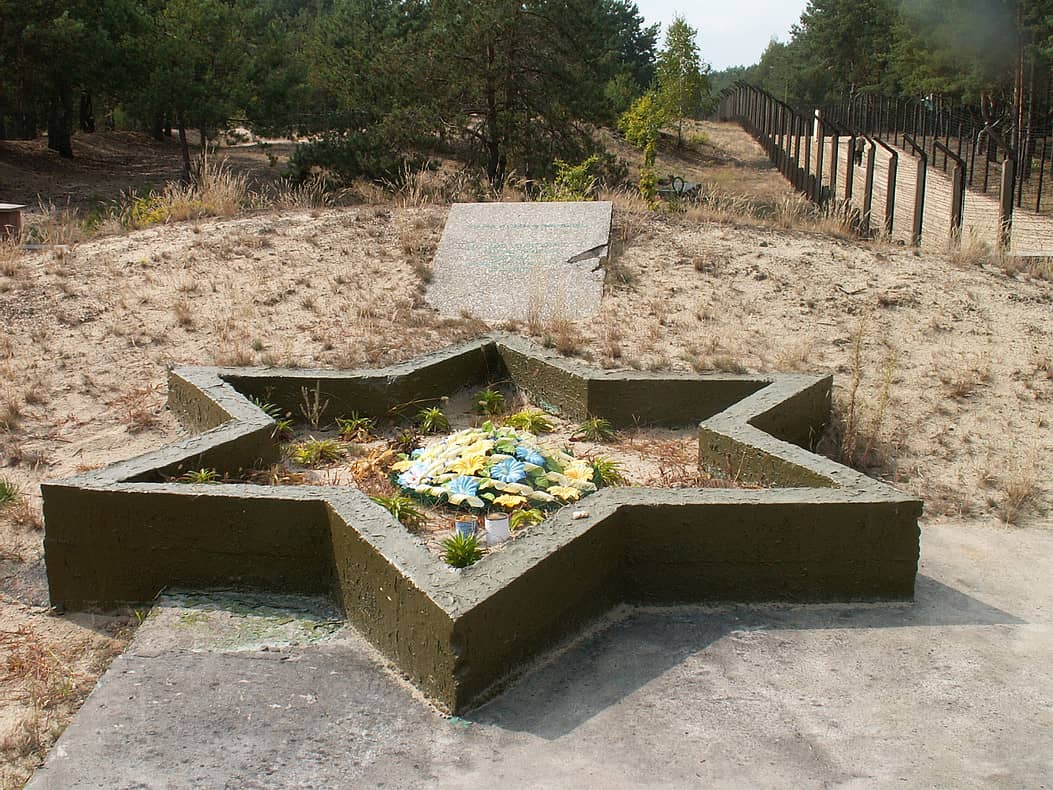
x=503 y=261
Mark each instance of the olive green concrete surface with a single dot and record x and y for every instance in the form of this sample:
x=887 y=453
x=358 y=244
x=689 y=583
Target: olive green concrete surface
x=953 y=690
x=118 y=534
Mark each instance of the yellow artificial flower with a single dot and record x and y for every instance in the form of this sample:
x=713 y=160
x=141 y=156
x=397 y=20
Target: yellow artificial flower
x=469 y=465
x=578 y=471
x=510 y=500
x=566 y=493
x=479 y=447
x=402 y=466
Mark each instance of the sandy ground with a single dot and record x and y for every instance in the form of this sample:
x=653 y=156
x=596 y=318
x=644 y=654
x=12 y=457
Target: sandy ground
x=88 y=335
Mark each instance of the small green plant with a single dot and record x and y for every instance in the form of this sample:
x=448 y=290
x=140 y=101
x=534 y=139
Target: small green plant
x=460 y=551
x=283 y=424
x=432 y=420
x=200 y=476
x=489 y=401
x=403 y=508
x=9 y=492
x=312 y=452
x=530 y=420
x=595 y=429
x=272 y=411
x=283 y=428
x=525 y=518
x=607 y=472
x=355 y=428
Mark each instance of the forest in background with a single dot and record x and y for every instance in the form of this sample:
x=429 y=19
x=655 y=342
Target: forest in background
x=507 y=87
x=989 y=59
x=368 y=84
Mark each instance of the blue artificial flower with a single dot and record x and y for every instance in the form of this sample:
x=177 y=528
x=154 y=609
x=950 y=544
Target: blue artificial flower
x=508 y=471
x=413 y=476
x=463 y=485
x=530 y=455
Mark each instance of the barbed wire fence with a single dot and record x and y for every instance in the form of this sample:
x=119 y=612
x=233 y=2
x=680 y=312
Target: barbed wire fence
x=914 y=173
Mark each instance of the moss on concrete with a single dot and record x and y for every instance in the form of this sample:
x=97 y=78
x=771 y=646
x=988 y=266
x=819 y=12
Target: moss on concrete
x=121 y=535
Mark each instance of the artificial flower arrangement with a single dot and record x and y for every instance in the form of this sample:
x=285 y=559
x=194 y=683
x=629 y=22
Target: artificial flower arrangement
x=492 y=466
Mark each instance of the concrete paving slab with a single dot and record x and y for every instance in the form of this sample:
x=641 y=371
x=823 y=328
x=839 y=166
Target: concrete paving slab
x=504 y=261
x=953 y=690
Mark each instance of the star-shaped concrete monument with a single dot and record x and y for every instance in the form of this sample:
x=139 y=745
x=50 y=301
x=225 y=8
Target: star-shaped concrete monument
x=819 y=531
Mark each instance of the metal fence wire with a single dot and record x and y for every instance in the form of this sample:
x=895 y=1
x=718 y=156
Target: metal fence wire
x=913 y=172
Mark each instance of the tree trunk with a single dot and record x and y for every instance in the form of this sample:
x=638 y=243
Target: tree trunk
x=60 y=122
x=185 y=148
x=87 y=113
x=157 y=128
x=494 y=166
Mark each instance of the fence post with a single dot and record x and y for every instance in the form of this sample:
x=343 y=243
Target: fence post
x=890 y=194
x=834 y=145
x=820 y=135
x=850 y=172
x=868 y=187
x=1041 y=174
x=958 y=194
x=1005 y=200
x=919 y=190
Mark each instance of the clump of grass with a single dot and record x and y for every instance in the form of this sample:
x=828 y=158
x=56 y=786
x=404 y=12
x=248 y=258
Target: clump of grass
x=855 y=437
x=199 y=476
x=139 y=413
x=10 y=415
x=531 y=420
x=961 y=382
x=1019 y=490
x=9 y=492
x=489 y=401
x=432 y=420
x=10 y=258
x=312 y=192
x=313 y=452
x=595 y=429
x=525 y=518
x=312 y=407
x=403 y=508
x=460 y=551
x=215 y=191
x=607 y=472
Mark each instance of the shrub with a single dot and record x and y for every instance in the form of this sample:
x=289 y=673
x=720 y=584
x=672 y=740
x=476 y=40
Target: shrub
x=572 y=182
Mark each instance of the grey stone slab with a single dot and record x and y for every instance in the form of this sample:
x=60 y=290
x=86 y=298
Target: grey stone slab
x=502 y=261
x=954 y=690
